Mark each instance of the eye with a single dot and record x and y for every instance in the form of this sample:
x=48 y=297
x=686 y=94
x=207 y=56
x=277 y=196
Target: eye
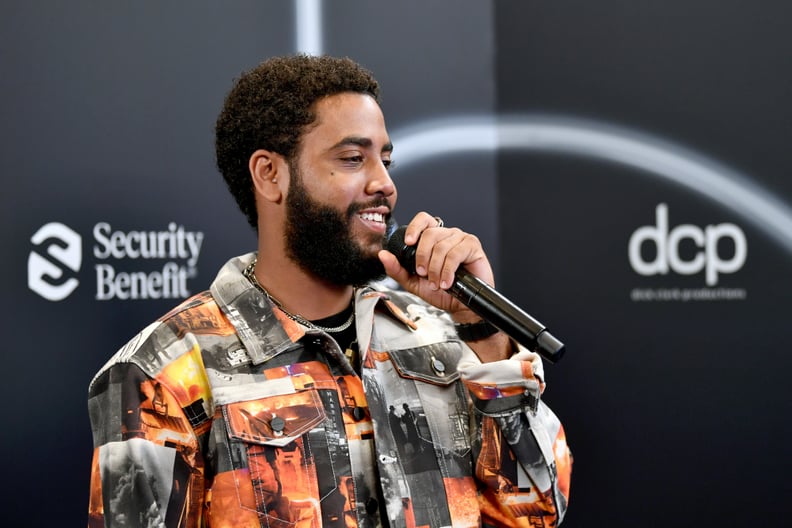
x=389 y=164
x=352 y=160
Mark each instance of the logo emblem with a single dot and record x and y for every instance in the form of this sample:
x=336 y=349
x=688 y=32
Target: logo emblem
x=64 y=247
x=666 y=241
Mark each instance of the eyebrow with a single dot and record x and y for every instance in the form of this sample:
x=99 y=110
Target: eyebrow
x=361 y=142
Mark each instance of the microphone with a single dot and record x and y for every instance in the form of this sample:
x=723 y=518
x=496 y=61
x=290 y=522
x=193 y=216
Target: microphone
x=485 y=301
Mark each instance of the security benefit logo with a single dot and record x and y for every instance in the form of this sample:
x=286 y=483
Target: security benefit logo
x=55 y=259
x=711 y=251
x=127 y=264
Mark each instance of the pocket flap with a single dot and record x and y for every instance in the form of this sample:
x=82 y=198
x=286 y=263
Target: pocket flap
x=275 y=420
x=435 y=363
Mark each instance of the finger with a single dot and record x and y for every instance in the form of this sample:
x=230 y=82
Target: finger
x=393 y=268
x=390 y=263
x=420 y=223
x=448 y=254
x=431 y=249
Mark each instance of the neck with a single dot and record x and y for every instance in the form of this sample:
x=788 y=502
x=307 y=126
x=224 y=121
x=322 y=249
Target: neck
x=300 y=292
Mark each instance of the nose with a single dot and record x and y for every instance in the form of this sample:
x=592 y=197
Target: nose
x=379 y=181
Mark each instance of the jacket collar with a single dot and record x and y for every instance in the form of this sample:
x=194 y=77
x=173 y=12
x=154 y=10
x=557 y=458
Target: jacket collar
x=265 y=331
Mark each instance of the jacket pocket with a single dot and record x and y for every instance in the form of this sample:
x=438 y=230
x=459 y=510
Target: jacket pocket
x=273 y=479
x=435 y=363
x=274 y=420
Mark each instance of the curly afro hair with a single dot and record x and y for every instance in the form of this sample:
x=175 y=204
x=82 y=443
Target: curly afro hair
x=270 y=106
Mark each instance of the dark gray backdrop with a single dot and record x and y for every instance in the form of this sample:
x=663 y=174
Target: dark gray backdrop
x=676 y=411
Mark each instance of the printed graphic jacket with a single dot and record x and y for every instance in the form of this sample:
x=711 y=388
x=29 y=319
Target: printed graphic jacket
x=226 y=413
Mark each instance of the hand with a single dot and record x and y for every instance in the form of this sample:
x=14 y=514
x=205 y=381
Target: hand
x=439 y=253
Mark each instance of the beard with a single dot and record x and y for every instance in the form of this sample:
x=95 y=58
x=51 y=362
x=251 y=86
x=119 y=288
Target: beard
x=319 y=239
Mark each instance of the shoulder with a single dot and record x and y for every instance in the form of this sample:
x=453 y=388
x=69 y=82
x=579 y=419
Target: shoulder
x=170 y=337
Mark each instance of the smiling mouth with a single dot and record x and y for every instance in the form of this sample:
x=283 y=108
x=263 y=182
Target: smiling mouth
x=373 y=217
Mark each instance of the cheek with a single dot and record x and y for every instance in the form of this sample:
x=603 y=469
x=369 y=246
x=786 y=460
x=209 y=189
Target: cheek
x=327 y=194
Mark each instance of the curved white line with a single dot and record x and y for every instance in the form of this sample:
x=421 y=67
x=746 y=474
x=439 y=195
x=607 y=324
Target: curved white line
x=580 y=137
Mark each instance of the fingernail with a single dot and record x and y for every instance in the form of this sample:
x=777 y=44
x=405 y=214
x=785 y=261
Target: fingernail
x=444 y=285
x=433 y=286
x=420 y=270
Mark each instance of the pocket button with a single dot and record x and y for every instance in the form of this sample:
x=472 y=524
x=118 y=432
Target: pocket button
x=358 y=413
x=438 y=366
x=278 y=425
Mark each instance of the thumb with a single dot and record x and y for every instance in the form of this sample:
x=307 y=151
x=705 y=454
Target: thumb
x=392 y=267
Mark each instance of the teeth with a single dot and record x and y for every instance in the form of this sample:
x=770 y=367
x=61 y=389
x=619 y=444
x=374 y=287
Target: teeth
x=374 y=217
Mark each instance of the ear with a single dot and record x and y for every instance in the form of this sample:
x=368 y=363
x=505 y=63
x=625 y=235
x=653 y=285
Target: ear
x=270 y=174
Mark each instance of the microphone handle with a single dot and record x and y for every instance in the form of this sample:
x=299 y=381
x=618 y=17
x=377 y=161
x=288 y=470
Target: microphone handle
x=493 y=307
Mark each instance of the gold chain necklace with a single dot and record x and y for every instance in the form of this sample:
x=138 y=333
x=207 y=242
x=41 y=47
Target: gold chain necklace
x=251 y=276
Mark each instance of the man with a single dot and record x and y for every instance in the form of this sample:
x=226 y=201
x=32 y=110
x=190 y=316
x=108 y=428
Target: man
x=265 y=400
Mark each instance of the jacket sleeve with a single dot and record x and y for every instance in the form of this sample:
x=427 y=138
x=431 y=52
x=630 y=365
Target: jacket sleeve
x=146 y=469
x=523 y=460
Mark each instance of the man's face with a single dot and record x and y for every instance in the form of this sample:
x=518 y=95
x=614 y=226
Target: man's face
x=340 y=194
